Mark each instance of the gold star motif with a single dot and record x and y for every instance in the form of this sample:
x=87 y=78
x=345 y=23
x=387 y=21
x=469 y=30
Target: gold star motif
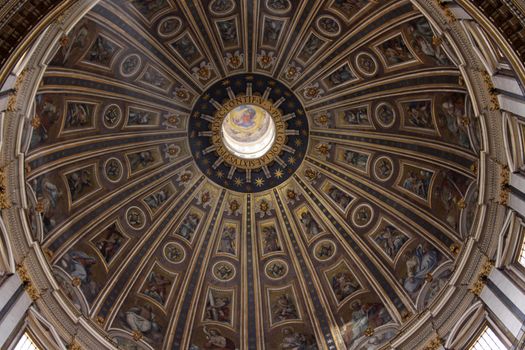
x=291 y=160
x=299 y=122
x=259 y=182
x=238 y=181
x=279 y=173
x=220 y=174
x=225 y=83
x=298 y=142
x=206 y=161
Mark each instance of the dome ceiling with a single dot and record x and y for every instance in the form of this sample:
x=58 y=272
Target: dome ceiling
x=164 y=236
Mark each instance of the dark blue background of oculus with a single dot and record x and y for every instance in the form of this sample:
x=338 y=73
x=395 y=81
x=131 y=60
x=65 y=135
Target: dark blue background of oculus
x=219 y=93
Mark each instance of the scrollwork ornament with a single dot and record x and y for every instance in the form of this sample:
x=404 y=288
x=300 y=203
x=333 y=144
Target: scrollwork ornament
x=483 y=276
x=455 y=249
x=504 y=192
x=434 y=344
x=448 y=13
x=11 y=103
x=31 y=290
x=137 y=335
x=4 y=201
x=369 y=332
x=74 y=345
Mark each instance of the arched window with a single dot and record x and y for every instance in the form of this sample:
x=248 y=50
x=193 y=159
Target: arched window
x=488 y=340
x=26 y=343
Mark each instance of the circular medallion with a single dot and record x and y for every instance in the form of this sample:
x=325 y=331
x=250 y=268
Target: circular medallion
x=383 y=168
x=174 y=253
x=248 y=133
x=328 y=25
x=169 y=26
x=113 y=169
x=362 y=215
x=130 y=65
x=366 y=64
x=324 y=250
x=112 y=116
x=223 y=271
x=385 y=115
x=222 y=7
x=276 y=269
x=135 y=218
x=279 y=6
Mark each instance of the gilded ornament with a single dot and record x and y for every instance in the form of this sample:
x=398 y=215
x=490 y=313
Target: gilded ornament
x=5 y=203
x=20 y=78
x=101 y=320
x=64 y=40
x=76 y=282
x=429 y=278
x=504 y=185
x=405 y=315
x=493 y=92
x=487 y=268
x=48 y=253
x=369 y=332
x=21 y=270
x=455 y=249
x=234 y=206
x=40 y=207
x=11 y=103
x=36 y=122
x=264 y=206
x=465 y=121
x=74 y=346
x=32 y=291
x=312 y=92
x=483 y=276
x=434 y=344
x=448 y=13
x=323 y=119
x=323 y=149
x=311 y=175
x=173 y=119
x=137 y=335
x=181 y=94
